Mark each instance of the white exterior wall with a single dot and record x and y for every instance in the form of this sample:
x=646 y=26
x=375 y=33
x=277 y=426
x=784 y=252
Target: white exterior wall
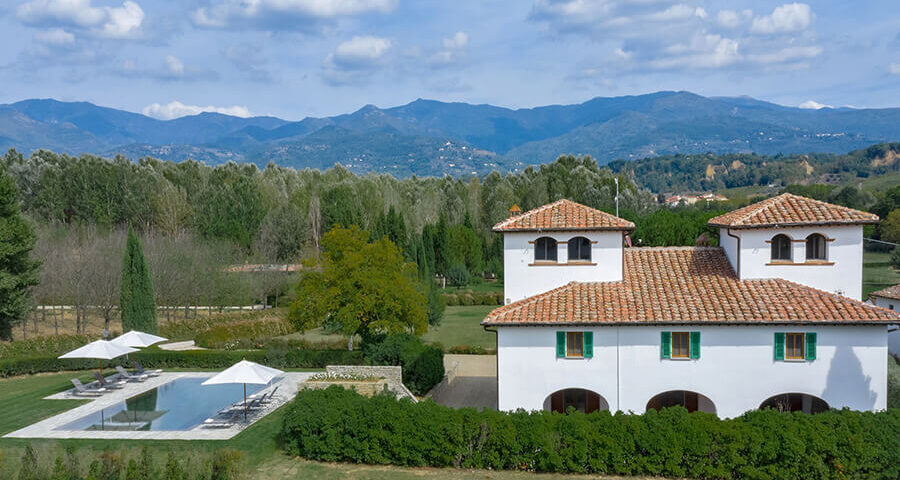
x=894 y=331
x=522 y=279
x=844 y=277
x=736 y=369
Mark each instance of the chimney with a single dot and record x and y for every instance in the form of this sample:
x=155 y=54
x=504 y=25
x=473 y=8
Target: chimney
x=514 y=211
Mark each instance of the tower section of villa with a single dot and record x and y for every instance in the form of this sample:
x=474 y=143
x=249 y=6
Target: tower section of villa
x=590 y=324
x=798 y=239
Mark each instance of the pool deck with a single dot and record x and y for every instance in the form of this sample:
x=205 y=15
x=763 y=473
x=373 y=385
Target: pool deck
x=47 y=428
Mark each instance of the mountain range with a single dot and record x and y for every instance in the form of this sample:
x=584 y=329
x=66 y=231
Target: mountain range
x=428 y=137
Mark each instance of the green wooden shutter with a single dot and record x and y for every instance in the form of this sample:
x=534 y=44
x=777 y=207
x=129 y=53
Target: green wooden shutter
x=695 y=344
x=560 y=344
x=811 y=345
x=779 y=345
x=588 y=344
x=665 y=344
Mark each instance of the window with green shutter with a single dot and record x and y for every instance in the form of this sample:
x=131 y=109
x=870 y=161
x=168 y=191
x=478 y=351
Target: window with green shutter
x=811 y=345
x=665 y=344
x=779 y=345
x=588 y=344
x=695 y=344
x=560 y=344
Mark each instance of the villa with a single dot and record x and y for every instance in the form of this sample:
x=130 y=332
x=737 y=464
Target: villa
x=772 y=318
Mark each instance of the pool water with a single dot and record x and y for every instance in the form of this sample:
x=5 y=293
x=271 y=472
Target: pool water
x=181 y=404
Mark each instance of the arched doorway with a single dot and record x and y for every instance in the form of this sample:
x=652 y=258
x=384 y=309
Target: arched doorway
x=795 y=402
x=580 y=399
x=692 y=401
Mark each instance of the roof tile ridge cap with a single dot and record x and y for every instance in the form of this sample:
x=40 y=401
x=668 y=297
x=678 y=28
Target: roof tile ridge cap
x=833 y=296
x=762 y=206
x=878 y=293
x=828 y=204
x=529 y=212
x=529 y=300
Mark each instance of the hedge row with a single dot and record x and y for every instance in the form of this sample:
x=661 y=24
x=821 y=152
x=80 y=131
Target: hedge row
x=423 y=365
x=472 y=298
x=204 y=359
x=243 y=334
x=337 y=425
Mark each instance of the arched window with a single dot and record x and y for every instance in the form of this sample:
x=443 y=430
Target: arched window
x=781 y=247
x=580 y=399
x=815 y=247
x=795 y=402
x=545 y=250
x=579 y=249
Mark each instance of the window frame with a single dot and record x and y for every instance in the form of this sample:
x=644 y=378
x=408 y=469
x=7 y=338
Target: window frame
x=787 y=346
x=547 y=249
x=820 y=241
x=572 y=338
x=686 y=336
x=581 y=245
x=774 y=253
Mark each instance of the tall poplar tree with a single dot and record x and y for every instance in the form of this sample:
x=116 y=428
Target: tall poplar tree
x=136 y=300
x=18 y=272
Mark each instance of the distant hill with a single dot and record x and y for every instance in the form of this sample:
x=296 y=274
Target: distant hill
x=670 y=174
x=428 y=137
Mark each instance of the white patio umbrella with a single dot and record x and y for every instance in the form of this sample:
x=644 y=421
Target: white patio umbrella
x=245 y=372
x=137 y=339
x=101 y=350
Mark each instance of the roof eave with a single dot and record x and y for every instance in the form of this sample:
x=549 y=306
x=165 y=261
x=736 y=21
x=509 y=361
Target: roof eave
x=711 y=322
x=793 y=224
x=565 y=229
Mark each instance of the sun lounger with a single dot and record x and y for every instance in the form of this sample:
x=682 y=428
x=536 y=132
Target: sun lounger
x=149 y=373
x=108 y=383
x=265 y=398
x=81 y=390
x=222 y=420
x=131 y=377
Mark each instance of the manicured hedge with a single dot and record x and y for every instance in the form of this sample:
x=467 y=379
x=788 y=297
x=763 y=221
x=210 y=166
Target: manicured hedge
x=473 y=298
x=423 y=365
x=338 y=425
x=212 y=359
x=238 y=335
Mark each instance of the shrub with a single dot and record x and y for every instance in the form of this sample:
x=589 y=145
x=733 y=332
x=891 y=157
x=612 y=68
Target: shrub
x=337 y=425
x=451 y=299
x=58 y=344
x=205 y=359
x=458 y=275
x=423 y=365
x=471 y=350
x=244 y=334
x=466 y=299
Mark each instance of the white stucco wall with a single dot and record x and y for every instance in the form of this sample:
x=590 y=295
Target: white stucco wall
x=846 y=252
x=522 y=279
x=736 y=369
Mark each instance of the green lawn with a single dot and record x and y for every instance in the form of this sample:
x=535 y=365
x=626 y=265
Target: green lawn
x=461 y=326
x=877 y=272
x=23 y=404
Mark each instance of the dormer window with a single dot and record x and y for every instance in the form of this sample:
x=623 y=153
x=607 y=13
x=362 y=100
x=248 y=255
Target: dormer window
x=579 y=250
x=545 y=250
x=815 y=247
x=781 y=248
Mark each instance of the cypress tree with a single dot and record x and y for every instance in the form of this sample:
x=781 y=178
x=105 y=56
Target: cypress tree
x=136 y=298
x=18 y=272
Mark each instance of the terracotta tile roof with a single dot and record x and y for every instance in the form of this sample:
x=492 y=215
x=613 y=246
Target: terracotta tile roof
x=563 y=215
x=890 y=292
x=788 y=210
x=685 y=285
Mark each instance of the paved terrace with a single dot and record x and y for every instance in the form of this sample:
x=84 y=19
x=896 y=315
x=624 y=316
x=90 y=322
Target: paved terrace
x=47 y=428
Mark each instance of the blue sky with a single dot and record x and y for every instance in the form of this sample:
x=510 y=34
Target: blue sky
x=298 y=58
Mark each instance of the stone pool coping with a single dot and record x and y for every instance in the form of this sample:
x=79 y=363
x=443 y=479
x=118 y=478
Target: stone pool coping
x=287 y=383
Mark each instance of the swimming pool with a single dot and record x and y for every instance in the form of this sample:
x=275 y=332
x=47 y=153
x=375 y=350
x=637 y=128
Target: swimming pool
x=181 y=404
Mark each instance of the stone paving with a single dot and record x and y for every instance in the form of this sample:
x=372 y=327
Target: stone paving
x=47 y=428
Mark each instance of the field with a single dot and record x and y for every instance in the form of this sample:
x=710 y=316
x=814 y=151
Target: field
x=23 y=405
x=461 y=326
x=877 y=272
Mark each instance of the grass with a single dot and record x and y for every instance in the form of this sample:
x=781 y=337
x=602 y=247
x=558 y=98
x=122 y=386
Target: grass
x=881 y=182
x=23 y=404
x=877 y=272
x=461 y=326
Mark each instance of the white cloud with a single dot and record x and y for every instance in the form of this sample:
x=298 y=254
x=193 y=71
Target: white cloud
x=787 y=54
x=458 y=41
x=813 y=105
x=55 y=36
x=791 y=17
x=360 y=52
x=113 y=22
x=177 y=109
x=454 y=50
x=174 y=65
x=894 y=68
x=283 y=13
x=731 y=18
x=703 y=51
